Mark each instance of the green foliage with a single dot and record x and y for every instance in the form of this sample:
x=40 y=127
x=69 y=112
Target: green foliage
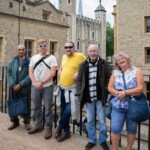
x=109 y=40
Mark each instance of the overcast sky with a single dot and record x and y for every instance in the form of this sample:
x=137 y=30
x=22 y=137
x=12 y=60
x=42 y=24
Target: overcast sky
x=90 y=5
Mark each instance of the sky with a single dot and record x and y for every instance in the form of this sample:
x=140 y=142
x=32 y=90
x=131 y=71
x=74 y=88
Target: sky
x=90 y=5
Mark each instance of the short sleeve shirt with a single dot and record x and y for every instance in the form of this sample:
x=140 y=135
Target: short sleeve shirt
x=70 y=66
x=42 y=70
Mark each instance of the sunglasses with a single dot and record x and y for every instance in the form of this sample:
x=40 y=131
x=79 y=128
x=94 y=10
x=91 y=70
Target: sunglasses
x=42 y=45
x=66 y=47
x=21 y=49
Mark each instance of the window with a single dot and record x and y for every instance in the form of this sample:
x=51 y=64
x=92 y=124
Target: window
x=29 y=47
x=99 y=46
x=77 y=21
x=148 y=87
x=147 y=55
x=93 y=35
x=147 y=24
x=53 y=46
x=46 y=15
x=69 y=1
x=78 y=45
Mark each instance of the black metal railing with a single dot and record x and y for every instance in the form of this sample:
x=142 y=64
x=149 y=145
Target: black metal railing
x=4 y=94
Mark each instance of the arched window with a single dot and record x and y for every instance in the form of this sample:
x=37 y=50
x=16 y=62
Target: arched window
x=93 y=35
x=99 y=46
x=78 y=45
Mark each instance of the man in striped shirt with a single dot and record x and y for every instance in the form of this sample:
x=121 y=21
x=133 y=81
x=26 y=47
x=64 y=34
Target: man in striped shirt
x=92 y=81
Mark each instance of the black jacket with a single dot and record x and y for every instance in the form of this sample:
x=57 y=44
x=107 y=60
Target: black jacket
x=103 y=75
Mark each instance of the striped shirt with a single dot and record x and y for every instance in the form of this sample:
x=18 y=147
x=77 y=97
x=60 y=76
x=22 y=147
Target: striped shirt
x=92 y=81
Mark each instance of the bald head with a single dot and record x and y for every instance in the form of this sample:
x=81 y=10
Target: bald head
x=92 y=52
x=21 y=51
x=21 y=46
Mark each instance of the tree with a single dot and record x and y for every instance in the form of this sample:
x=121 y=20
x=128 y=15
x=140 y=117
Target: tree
x=109 y=40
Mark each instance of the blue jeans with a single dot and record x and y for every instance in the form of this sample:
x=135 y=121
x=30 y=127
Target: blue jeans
x=117 y=121
x=65 y=114
x=91 y=109
x=46 y=94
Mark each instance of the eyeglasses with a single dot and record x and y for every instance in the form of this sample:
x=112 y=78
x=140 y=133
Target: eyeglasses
x=42 y=45
x=21 y=49
x=68 y=47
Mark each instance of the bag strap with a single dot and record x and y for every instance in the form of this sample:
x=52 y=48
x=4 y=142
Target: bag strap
x=41 y=60
x=125 y=86
x=46 y=64
x=124 y=81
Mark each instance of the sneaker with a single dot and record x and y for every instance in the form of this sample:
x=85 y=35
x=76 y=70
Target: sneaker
x=47 y=131
x=89 y=146
x=63 y=137
x=34 y=130
x=104 y=146
x=27 y=126
x=13 y=125
x=58 y=133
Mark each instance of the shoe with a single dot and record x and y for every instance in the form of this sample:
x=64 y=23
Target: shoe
x=34 y=130
x=58 y=133
x=63 y=137
x=104 y=146
x=89 y=146
x=13 y=126
x=27 y=126
x=47 y=131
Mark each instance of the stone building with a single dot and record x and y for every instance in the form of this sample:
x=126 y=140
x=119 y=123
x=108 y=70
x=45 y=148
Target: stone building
x=132 y=31
x=83 y=30
x=26 y=21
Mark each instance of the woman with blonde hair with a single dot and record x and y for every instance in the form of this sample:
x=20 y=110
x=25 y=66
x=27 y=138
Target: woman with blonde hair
x=134 y=84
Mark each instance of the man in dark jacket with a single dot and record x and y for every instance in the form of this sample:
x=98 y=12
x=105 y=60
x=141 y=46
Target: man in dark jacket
x=19 y=83
x=92 y=81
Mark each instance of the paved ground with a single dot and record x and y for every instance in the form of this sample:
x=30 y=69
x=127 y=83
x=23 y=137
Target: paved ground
x=19 y=139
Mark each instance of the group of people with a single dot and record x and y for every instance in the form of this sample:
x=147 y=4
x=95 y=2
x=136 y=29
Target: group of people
x=87 y=80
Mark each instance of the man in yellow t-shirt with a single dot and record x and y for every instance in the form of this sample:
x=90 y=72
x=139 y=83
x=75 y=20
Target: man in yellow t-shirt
x=68 y=75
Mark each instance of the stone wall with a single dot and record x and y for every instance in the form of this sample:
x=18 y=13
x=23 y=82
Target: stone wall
x=31 y=27
x=130 y=33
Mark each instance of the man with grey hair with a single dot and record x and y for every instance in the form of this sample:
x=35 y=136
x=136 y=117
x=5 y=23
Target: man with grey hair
x=19 y=83
x=92 y=81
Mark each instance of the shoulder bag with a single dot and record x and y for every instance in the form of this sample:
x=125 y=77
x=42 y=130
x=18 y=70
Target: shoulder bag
x=109 y=108
x=138 y=108
x=17 y=106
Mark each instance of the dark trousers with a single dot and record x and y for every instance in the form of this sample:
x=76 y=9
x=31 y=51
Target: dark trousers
x=65 y=114
x=26 y=117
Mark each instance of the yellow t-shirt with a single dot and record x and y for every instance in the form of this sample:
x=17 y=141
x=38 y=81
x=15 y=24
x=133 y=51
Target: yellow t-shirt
x=70 y=66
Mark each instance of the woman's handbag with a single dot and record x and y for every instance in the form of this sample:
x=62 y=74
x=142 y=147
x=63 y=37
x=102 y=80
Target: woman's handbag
x=109 y=108
x=17 y=106
x=108 y=111
x=138 y=109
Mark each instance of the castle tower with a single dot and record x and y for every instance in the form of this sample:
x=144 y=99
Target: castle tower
x=80 y=8
x=100 y=14
x=68 y=6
